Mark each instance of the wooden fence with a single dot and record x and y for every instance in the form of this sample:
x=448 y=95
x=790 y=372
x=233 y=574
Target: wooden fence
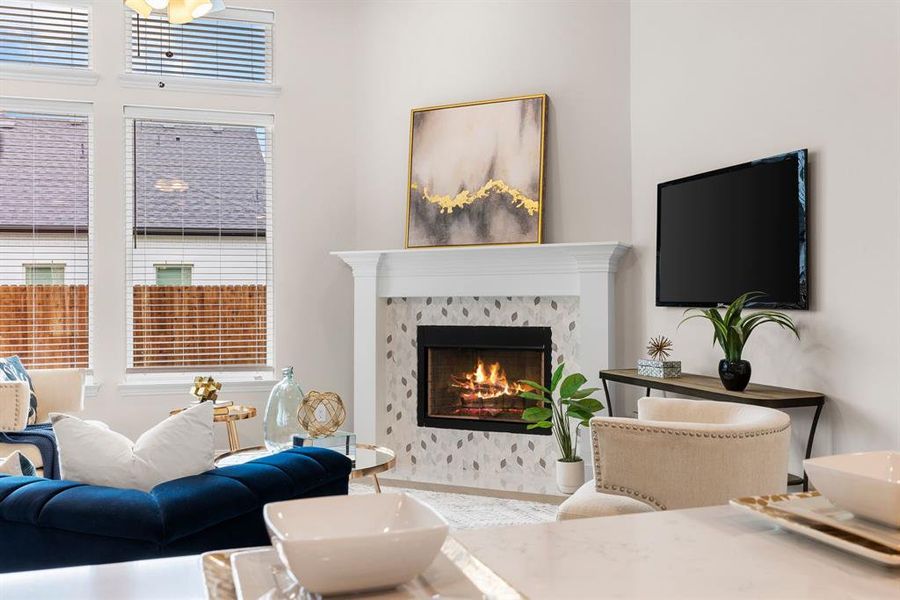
x=199 y=325
x=45 y=325
x=174 y=326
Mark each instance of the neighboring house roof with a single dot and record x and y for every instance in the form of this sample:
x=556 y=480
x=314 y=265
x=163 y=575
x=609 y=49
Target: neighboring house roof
x=43 y=174
x=195 y=179
x=199 y=179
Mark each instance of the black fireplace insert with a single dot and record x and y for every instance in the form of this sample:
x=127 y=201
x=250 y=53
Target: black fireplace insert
x=469 y=377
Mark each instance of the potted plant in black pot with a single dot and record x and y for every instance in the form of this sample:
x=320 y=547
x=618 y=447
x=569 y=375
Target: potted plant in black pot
x=732 y=330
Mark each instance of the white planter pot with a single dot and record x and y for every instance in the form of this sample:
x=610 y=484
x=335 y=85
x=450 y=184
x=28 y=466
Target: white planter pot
x=569 y=476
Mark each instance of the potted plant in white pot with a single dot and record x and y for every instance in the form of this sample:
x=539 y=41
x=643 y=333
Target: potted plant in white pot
x=572 y=404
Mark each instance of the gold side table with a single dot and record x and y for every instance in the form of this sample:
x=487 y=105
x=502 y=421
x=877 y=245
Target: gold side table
x=236 y=412
x=371 y=460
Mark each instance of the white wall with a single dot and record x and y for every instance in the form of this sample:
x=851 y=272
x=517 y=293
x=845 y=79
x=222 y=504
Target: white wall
x=715 y=83
x=312 y=197
x=424 y=53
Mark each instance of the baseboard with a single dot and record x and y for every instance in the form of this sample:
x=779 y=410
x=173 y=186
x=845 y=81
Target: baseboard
x=472 y=491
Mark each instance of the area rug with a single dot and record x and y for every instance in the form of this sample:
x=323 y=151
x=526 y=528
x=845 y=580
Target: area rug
x=464 y=511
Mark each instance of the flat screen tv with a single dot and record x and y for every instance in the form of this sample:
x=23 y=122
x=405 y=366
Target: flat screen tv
x=734 y=230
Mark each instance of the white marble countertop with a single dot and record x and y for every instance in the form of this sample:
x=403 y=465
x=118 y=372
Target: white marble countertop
x=713 y=552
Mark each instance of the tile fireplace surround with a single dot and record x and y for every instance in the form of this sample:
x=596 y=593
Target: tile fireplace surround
x=567 y=287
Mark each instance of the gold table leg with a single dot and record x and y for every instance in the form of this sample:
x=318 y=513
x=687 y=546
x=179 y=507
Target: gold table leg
x=233 y=441
x=377 y=485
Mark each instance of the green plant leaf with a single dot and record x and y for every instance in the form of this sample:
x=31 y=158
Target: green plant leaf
x=721 y=331
x=733 y=313
x=699 y=315
x=768 y=316
x=540 y=425
x=535 y=385
x=536 y=413
x=532 y=396
x=583 y=393
x=738 y=340
x=592 y=405
x=571 y=384
x=734 y=309
x=557 y=375
x=576 y=412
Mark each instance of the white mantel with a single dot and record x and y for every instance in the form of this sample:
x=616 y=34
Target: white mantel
x=585 y=270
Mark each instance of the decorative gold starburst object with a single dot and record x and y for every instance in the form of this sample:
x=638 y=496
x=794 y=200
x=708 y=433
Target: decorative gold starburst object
x=321 y=413
x=659 y=347
x=205 y=388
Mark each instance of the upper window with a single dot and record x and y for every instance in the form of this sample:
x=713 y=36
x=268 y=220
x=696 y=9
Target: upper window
x=45 y=199
x=199 y=253
x=232 y=49
x=46 y=34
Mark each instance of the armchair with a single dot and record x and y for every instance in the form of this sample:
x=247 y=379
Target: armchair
x=58 y=390
x=682 y=454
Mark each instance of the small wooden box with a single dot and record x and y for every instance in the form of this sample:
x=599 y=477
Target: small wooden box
x=663 y=369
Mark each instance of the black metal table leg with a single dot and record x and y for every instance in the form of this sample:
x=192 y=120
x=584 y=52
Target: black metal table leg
x=609 y=407
x=809 y=442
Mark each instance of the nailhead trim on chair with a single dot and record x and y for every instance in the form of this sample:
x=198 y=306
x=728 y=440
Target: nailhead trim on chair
x=19 y=401
x=18 y=389
x=698 y=434
x=652 y=429
x=633 y=493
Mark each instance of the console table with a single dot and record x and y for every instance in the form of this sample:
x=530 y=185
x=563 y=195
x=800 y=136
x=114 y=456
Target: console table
x=710 y=388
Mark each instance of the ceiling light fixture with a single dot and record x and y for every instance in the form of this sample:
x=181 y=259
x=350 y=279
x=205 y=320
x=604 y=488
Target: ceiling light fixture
x=140 y=7
x=178 y=12
x=201 y=8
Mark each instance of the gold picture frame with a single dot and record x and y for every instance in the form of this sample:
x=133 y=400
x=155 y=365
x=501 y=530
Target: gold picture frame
x=511 y=139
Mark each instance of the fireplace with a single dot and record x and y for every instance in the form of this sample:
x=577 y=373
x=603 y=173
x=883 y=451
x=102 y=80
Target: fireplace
x=469 y=376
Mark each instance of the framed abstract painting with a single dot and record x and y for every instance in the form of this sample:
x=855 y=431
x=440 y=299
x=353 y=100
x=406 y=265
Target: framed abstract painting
x=476 y=173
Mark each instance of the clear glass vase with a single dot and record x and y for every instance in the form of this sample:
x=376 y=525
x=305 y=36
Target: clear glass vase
x=281 y=413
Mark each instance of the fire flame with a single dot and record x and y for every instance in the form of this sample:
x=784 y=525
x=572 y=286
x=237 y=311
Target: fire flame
x=486 y=383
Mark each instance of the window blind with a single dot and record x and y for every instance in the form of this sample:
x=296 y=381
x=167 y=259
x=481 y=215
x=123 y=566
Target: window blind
x=235 y=50
x=45 y=224
x=39 y=33
x=199 y=200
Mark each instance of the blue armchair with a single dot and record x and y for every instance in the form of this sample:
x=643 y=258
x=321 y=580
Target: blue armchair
x=57 y=523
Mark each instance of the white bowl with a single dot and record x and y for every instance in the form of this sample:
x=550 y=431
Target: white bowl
x=343 y=544
x=865 y=483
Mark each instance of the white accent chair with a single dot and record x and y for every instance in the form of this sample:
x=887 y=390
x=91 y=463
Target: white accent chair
x=58 y=390
x=682 y=454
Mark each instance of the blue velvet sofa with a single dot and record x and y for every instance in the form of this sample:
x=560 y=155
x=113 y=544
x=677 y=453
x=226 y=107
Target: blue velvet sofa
x=55 y=523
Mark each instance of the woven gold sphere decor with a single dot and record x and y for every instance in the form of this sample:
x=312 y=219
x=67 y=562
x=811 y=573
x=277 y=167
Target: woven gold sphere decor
x=321 y=413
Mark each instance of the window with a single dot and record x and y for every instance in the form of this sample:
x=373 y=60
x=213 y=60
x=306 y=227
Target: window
x=47 y=34
x=173 y=274
x=45 y=219
x=52 y=274
x=199 y=257
x=235 y=49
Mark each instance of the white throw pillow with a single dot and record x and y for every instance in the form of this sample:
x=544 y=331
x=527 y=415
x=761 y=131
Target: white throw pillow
x=181 y=445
